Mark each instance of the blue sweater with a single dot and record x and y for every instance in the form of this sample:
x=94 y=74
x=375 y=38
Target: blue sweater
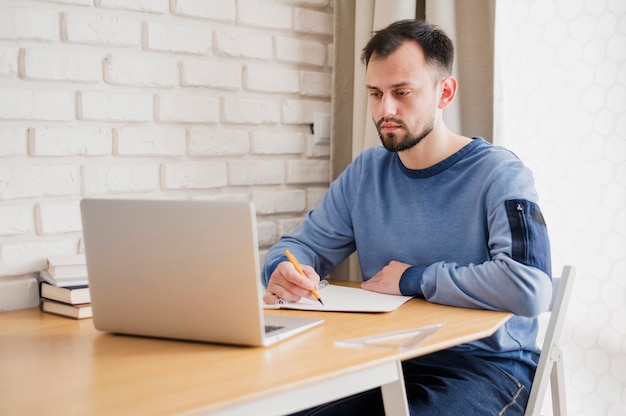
x=470 y=227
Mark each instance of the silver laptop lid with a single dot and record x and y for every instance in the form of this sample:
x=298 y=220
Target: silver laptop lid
x=174 y=269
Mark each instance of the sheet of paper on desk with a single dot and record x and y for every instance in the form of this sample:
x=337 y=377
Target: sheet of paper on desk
x=346 y=299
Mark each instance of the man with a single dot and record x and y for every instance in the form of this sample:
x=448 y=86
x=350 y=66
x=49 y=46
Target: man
x=433 y=214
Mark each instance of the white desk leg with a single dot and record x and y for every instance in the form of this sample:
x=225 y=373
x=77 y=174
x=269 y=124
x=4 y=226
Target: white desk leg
x=394 y=395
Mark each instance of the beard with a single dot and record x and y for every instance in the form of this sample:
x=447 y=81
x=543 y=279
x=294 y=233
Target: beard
x=394 y=142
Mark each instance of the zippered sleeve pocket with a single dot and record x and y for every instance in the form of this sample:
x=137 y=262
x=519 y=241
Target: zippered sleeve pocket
x=529 y=234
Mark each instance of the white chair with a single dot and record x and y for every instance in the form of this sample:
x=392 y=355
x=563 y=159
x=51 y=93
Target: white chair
x=550 y=367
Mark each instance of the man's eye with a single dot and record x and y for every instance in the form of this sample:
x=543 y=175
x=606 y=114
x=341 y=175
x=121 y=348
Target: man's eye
x=402 y=92
x=375 y=94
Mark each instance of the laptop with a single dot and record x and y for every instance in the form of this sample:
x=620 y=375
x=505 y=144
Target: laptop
x=185 y=270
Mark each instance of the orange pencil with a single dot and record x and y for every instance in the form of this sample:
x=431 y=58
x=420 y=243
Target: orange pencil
x=295 y=263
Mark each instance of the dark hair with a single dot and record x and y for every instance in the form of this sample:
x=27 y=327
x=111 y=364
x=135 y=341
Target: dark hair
x=437 y=46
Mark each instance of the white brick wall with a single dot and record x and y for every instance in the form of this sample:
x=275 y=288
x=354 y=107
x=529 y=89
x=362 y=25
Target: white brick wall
x=109 y=107
x=244 y=44
x=224 y=10
x=101 y=29
x=65 y=141
x=191 y=99
x=12 y=141
x=151 y=141
x=203 y=73
x=140 y=71
x=277 y=143
x=300 y=51
x=218 y=142
x=16 y=219
x=191 y=38
x=120 y=178
x=32 y=104
x=156 y=6
x=188 y=108
x=62 y=65
x=251 y=110
x=260 y=14
x=28 y=23
x=8 y=60
x=269 y=79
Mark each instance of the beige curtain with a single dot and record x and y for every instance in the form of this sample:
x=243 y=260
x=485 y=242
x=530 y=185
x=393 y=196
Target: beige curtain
x=470 y=24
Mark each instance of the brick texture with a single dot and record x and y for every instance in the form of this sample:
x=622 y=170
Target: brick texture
x=171 y=99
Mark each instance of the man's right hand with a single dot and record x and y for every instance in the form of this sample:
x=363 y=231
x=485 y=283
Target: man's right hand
x=287 y=283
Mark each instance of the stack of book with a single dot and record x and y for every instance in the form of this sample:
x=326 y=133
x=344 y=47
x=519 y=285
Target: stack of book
x=65 y=288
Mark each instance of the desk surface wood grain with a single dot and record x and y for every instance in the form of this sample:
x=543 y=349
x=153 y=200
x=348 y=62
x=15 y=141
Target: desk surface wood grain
x=56 y=365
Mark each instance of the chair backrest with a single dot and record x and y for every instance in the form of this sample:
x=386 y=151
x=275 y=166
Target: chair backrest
x=550 y=367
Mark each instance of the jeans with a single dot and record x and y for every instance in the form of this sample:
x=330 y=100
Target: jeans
x=440 y=384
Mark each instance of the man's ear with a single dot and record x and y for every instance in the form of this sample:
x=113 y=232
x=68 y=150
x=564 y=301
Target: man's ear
x=448 y=91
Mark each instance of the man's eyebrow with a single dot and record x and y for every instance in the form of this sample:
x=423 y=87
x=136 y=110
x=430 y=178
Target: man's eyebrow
x=398 y=85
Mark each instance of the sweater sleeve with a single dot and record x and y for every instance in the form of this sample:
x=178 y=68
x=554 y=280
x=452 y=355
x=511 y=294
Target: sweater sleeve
x=516 y=277
x=325 y=237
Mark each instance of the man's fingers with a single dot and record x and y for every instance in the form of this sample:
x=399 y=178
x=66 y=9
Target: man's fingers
x=287 y=283
x=286 y=291
x=293 y=279
x=270 y=298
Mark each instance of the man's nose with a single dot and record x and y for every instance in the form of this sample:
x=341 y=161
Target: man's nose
x=387 y=106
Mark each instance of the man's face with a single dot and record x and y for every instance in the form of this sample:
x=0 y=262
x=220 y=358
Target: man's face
x=403 y=96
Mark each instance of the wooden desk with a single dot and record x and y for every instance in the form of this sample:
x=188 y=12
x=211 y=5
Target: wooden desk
x=55 y=365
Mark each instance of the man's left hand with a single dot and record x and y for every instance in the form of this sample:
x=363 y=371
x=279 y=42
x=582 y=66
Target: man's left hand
x=387 y=280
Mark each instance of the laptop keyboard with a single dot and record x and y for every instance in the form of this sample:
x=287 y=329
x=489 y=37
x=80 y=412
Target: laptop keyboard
x=271 y=328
